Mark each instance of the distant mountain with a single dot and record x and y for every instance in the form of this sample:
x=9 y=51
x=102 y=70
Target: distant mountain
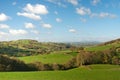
x=27 y=47
x=83 y=43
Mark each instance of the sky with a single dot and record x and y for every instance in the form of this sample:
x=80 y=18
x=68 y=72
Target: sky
x=60 y=20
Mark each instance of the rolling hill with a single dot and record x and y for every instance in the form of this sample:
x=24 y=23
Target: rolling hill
x=28 y=47
x=60 y=59
x=105 y=45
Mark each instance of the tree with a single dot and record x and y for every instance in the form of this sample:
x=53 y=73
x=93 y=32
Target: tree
x=80 y=58
x=2 y=67
x=55 y=66
x=115 y=60
x=70 y=64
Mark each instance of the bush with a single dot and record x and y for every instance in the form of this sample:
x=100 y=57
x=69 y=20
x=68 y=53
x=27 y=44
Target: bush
x=70 y=64
x=11 y=64
x=115 y=60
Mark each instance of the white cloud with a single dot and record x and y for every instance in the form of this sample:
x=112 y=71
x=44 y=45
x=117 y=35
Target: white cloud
x=36 y=9
x=94 y=15
x=14 y=3
x=3 y=17
x=72 y=30
x=83 y=11
x=29 y=25
x=4 y=26
x=35 y=31
x=57 y=2
x=95 y=2
x=17 y=32
x=83 y=20
x=29 y=15
x=56 y=12
x=103 y=15
x=33 y=11
x=86 y=11
x=74 y=2
x=46 y=25
x=52 y=1
x=2 y=34
x=58 y=20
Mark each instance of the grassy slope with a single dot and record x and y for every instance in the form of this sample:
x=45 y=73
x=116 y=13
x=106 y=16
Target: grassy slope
x=57 y=57
x=98 y=48
x=92 y=72
x=102 y=47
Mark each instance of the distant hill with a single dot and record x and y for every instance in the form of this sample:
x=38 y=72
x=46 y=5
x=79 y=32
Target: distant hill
x=27 y=47
x=84 y=43
x=112 y=42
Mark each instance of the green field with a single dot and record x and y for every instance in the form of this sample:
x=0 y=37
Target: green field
x=56 y=57
x=91 y=72
x=101 y=48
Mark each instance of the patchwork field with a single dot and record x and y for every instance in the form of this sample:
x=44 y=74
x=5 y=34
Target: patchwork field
x=91 y=72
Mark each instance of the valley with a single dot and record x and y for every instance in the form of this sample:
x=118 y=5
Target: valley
x=59 y=39
x=66 y=62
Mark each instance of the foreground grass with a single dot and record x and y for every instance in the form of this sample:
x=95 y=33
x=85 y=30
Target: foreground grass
x=92 y=72
x=57 y=57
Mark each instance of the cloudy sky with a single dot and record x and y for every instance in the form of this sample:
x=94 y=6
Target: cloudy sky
x=60 y=20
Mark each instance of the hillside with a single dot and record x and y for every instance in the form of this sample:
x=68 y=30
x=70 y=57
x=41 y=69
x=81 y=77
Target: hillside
x=116 y=41
x=105 y=45
x=28 y=47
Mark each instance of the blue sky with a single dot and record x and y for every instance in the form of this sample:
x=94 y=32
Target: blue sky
x=60 y=20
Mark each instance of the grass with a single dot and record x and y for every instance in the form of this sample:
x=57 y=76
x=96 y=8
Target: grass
x=101 y=48
x=58 y=57
x=98 y=48
x=92 y=72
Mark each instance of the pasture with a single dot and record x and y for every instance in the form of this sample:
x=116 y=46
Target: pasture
x=91 y=72
x=56 y=57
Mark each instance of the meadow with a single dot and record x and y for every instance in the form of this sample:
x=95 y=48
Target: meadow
x=59 y=57
x=91 y=72
x=102 y=47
